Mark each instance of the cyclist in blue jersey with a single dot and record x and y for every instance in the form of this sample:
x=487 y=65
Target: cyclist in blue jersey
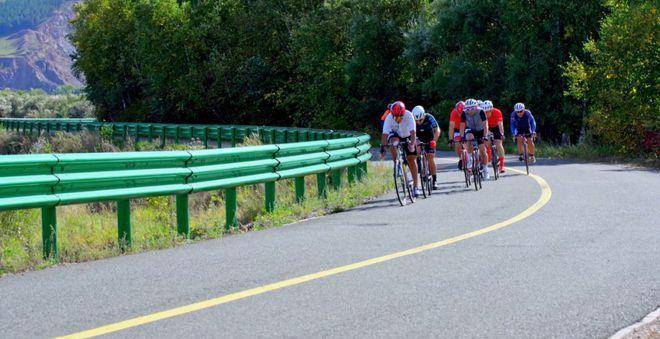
x=428 y=132
x=523 y=124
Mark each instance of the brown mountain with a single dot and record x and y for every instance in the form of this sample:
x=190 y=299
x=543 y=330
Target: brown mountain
x=39 y=57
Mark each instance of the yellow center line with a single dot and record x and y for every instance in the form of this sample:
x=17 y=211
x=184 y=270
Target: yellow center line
x=546 y=193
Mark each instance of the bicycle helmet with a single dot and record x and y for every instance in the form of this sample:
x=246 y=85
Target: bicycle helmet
x=471 y=103
x=480 y=104
x=398 y=109
x=418 y=112
x=519 y=107
x=488 y=105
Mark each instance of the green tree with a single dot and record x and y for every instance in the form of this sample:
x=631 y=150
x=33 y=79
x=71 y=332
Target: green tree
x=620 y=78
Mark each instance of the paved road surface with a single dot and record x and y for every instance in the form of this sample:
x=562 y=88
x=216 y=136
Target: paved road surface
x=583 y=266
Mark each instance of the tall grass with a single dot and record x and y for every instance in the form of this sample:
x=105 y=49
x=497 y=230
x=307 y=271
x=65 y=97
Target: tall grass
x=89 y=232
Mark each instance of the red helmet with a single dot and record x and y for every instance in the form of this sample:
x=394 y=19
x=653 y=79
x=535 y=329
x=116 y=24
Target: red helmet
x=398 y=109
x=460 y=106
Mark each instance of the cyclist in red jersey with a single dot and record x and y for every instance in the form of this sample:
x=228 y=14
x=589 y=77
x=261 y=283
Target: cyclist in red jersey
x=454 y=129
x=496 y=126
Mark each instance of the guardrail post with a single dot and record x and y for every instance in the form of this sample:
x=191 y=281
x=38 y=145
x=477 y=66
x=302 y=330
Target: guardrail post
x=38 y=129
x=359 y=170
x=273 y=136
x=163 y=137
x=233 y=137
x=300 y=189
x=231 y=207
x=219 y=138
x=125 y=133
x=124 y=224
x=322 y=185
x=177 y=135
x=365 y=168
x=182 y=215
x=336 y=179
x=151 y=133
x=351 y=175
x=49 y=232
x=206 y=137
x=270 y=196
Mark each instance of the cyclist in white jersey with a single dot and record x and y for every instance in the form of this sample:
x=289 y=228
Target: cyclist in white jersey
x=399 y=126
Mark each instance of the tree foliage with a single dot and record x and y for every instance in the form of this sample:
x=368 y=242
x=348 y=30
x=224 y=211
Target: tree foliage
x=332 y=63
x=620 y=78
x=38 y=104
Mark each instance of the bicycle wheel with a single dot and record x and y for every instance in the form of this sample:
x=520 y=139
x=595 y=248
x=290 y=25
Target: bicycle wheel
x=496 y=164
x=465 y=170
x=526 y=156
x=422 y=168
x=475 y=171
x=399 y=183
x=408 y=179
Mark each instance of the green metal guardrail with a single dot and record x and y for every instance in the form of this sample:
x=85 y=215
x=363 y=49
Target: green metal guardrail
x=208 y=134
x=47 y=181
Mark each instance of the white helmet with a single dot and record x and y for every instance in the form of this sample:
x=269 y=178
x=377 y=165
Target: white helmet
x=519 y=107
x=471 y=103
x=488 y=105
x=418 y=112
x=480 y=104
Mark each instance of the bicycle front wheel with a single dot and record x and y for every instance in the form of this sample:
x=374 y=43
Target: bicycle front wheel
x=399 y=183
x=475 y=171
x=496 y=164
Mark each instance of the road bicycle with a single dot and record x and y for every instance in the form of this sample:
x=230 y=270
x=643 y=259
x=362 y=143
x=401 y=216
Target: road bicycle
x=475 y=168
x=464 y=161
x=495 y=156
x=403 y=182
x=424 y=169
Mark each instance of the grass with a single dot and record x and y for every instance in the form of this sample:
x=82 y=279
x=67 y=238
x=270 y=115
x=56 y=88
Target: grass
x=89 y=232
x=7 y=49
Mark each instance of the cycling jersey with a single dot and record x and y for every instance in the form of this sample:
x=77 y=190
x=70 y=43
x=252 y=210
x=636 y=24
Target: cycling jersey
x=495 y=118
x=523 y=125
x=425 y=130
x=456 y=118
x=403 y=129
x=474 y=122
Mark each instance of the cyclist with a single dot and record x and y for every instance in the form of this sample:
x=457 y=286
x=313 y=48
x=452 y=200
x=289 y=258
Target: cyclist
x=454 y=130
x=495 y=126
x=523 y=124
x=399 y=126
x=474 y=125
x=428 y=132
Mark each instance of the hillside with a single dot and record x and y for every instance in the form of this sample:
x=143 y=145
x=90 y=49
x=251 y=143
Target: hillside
x=39 y=57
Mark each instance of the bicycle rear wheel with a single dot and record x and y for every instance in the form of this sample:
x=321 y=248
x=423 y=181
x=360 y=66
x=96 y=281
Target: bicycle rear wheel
x=465 y=170
x=423 y=177
x=496 y=164
x=399 y=183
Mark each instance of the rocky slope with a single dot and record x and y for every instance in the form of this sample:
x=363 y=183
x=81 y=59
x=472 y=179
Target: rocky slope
x=40 y=56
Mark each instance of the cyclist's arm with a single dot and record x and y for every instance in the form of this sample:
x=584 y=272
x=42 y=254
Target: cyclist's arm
x=484 y=120
x=383 y=140
x=452 y=125
x=436 y=128
x=500 y=125
x=514 y=130
x=532 y=123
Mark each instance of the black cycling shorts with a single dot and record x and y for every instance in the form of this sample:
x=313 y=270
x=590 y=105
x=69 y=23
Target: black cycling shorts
x=478 y=135
x=496 y=134
x=427 y=146
x=406 y=151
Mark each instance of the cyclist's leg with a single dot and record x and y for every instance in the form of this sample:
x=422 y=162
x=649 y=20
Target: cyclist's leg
x=412 y=163
x=393 y=139
x=500 y=151
x=482 y=149
x=530 y=145
x=458 y=147
x=519 y=140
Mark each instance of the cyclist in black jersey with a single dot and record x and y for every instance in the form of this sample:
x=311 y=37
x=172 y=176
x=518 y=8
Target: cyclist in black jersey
x=428 y=132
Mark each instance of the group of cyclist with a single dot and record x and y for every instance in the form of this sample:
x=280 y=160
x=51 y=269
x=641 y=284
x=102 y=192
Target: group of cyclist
x=470 y=120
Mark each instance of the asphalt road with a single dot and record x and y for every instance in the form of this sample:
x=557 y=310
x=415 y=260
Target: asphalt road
x=585 y=265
